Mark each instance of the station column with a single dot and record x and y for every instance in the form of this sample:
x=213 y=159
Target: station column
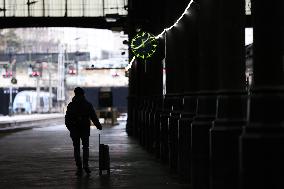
x=262 y=140
x=231 y=96
x=207 y=92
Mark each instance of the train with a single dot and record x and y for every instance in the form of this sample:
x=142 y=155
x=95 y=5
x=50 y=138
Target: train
x=26 y=102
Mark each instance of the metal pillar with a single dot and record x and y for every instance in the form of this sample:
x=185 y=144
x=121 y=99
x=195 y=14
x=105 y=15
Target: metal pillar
x=29 y=8
x=83 y=8
x=66 y=8
x=261 y=144
x=175 y=64
x=37 y=95
x=43 y=8
x=231 y=100
x=61 y=78
x=206 y=95
x=189 y=35
x=50 y=88
x=11 y=100
x=4 y=7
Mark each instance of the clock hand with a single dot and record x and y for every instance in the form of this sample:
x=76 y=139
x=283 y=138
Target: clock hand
x=142 y=44
x=149 y=38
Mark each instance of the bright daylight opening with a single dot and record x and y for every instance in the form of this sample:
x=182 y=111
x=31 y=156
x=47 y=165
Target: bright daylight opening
x=40 y=67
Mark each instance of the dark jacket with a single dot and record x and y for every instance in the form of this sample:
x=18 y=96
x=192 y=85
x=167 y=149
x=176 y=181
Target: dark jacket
x=78 y=115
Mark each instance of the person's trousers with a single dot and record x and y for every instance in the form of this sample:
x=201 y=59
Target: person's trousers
x=77 y=156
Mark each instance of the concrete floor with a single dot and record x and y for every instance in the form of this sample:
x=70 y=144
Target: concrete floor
x=43 y=158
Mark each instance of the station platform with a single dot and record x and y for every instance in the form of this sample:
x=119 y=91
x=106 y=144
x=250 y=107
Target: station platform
x=20 y=122
x=42 y=157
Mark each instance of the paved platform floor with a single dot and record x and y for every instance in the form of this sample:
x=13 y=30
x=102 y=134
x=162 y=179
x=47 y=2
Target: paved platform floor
x=43 y=158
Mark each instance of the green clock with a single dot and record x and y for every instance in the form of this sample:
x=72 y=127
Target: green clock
x=144 y=45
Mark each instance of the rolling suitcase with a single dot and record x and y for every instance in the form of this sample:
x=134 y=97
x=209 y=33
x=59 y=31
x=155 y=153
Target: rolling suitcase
x=104 y=160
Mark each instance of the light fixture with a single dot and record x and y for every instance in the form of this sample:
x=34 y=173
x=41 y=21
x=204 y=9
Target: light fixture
x=176 y=23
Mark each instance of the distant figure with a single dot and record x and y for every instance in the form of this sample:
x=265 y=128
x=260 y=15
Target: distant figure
x=77 y=120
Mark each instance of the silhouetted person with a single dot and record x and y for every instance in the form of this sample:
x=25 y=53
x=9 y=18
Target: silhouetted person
x=77 y=120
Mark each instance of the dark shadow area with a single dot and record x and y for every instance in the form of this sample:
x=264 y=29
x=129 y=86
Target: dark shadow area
x=105 y=181
x=9 y=132
x=83 y=22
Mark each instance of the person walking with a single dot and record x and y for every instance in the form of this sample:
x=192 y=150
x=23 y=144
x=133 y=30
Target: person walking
x=77 y=120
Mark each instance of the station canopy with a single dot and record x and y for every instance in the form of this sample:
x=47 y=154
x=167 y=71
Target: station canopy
x=61 y=8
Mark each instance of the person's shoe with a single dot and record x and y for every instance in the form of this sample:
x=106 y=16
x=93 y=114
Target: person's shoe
x=79 y=172
x=87 y=170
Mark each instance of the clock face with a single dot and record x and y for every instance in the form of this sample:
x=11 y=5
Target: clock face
x=144 y=45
